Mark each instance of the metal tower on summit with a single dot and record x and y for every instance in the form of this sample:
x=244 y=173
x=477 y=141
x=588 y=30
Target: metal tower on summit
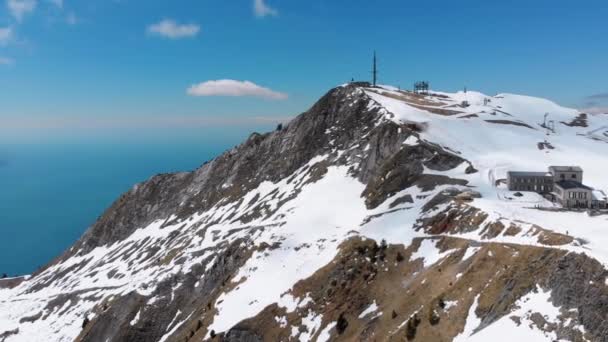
x=374 y=71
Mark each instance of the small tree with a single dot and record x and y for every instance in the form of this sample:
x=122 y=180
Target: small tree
x=383 y=244
x=400 y=257
x=4 y=275
x=279 y=127
x=411 y=327
x=342 y=324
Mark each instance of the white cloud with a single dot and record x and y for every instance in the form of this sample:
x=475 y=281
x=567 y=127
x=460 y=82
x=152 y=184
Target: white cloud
x=19 y=8
x=71 y=19
x=234 y=88
x=170 y=29
x=6 y=34
x=6 y=61
x=261 y=9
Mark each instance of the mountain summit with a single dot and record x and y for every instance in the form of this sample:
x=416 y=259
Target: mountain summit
x=376 y=215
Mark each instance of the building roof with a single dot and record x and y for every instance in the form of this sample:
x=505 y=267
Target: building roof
x=566 y=168
x=529 y=174
x=599 y=195
x=570 y=184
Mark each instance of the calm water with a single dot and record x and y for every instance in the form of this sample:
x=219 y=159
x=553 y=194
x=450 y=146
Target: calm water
x=51 y=192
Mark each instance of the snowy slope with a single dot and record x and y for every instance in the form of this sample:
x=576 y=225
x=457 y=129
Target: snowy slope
x=495 y=149
x=305 y=218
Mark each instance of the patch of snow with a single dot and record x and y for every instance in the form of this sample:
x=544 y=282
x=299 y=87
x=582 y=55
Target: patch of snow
x=325 y=335
x=505 y=329
x=312 y=322
x=470 y=252
x=369 y=310
x=471 y=324
x=411 y=141
x=450 y=304
x=135 y=319
x=429 y=253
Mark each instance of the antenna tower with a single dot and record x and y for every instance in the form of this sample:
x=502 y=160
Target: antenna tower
x=374 y=71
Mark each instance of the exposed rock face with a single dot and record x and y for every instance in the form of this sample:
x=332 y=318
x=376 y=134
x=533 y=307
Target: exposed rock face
x=116 y=321
x=164 y=257
x=578 y=281
x=263 y=157
x=340 y=119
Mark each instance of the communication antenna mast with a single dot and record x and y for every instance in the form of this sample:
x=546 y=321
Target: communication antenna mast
x=552 y=126
x=374 y=71
x=465 y=103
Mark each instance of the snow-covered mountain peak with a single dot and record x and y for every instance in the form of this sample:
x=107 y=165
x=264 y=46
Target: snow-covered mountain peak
x=378 y=212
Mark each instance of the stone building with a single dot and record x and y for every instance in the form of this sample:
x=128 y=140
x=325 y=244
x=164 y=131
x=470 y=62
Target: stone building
x=562 y=184
x=572 y=194
x=562 y=173
x=541 y=182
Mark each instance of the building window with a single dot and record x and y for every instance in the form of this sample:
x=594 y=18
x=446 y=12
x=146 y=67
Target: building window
x=562 y=176
x=573 y=175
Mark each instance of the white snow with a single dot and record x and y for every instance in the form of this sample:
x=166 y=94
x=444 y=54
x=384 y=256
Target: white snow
x=429 y=253
x=369 y=310
x=411 y=140
x=325 y=334
x=312 y=323
x=450 y=304
x=505 y=329
x=471 y=324
x=135 y=319
x=470 y=252
x=175 y=327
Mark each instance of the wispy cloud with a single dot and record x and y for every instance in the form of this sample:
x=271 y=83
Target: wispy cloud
x=19 y=8
x=6 y=61
x=71 y=19
x=595 y=110
x=600 y=96
x=261 y=9
x=234 y=88
x=6 y=34
x=170 y=29
x=595 y=104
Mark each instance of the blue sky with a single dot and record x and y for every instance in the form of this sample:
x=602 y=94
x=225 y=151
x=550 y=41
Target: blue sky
x=111 y=65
